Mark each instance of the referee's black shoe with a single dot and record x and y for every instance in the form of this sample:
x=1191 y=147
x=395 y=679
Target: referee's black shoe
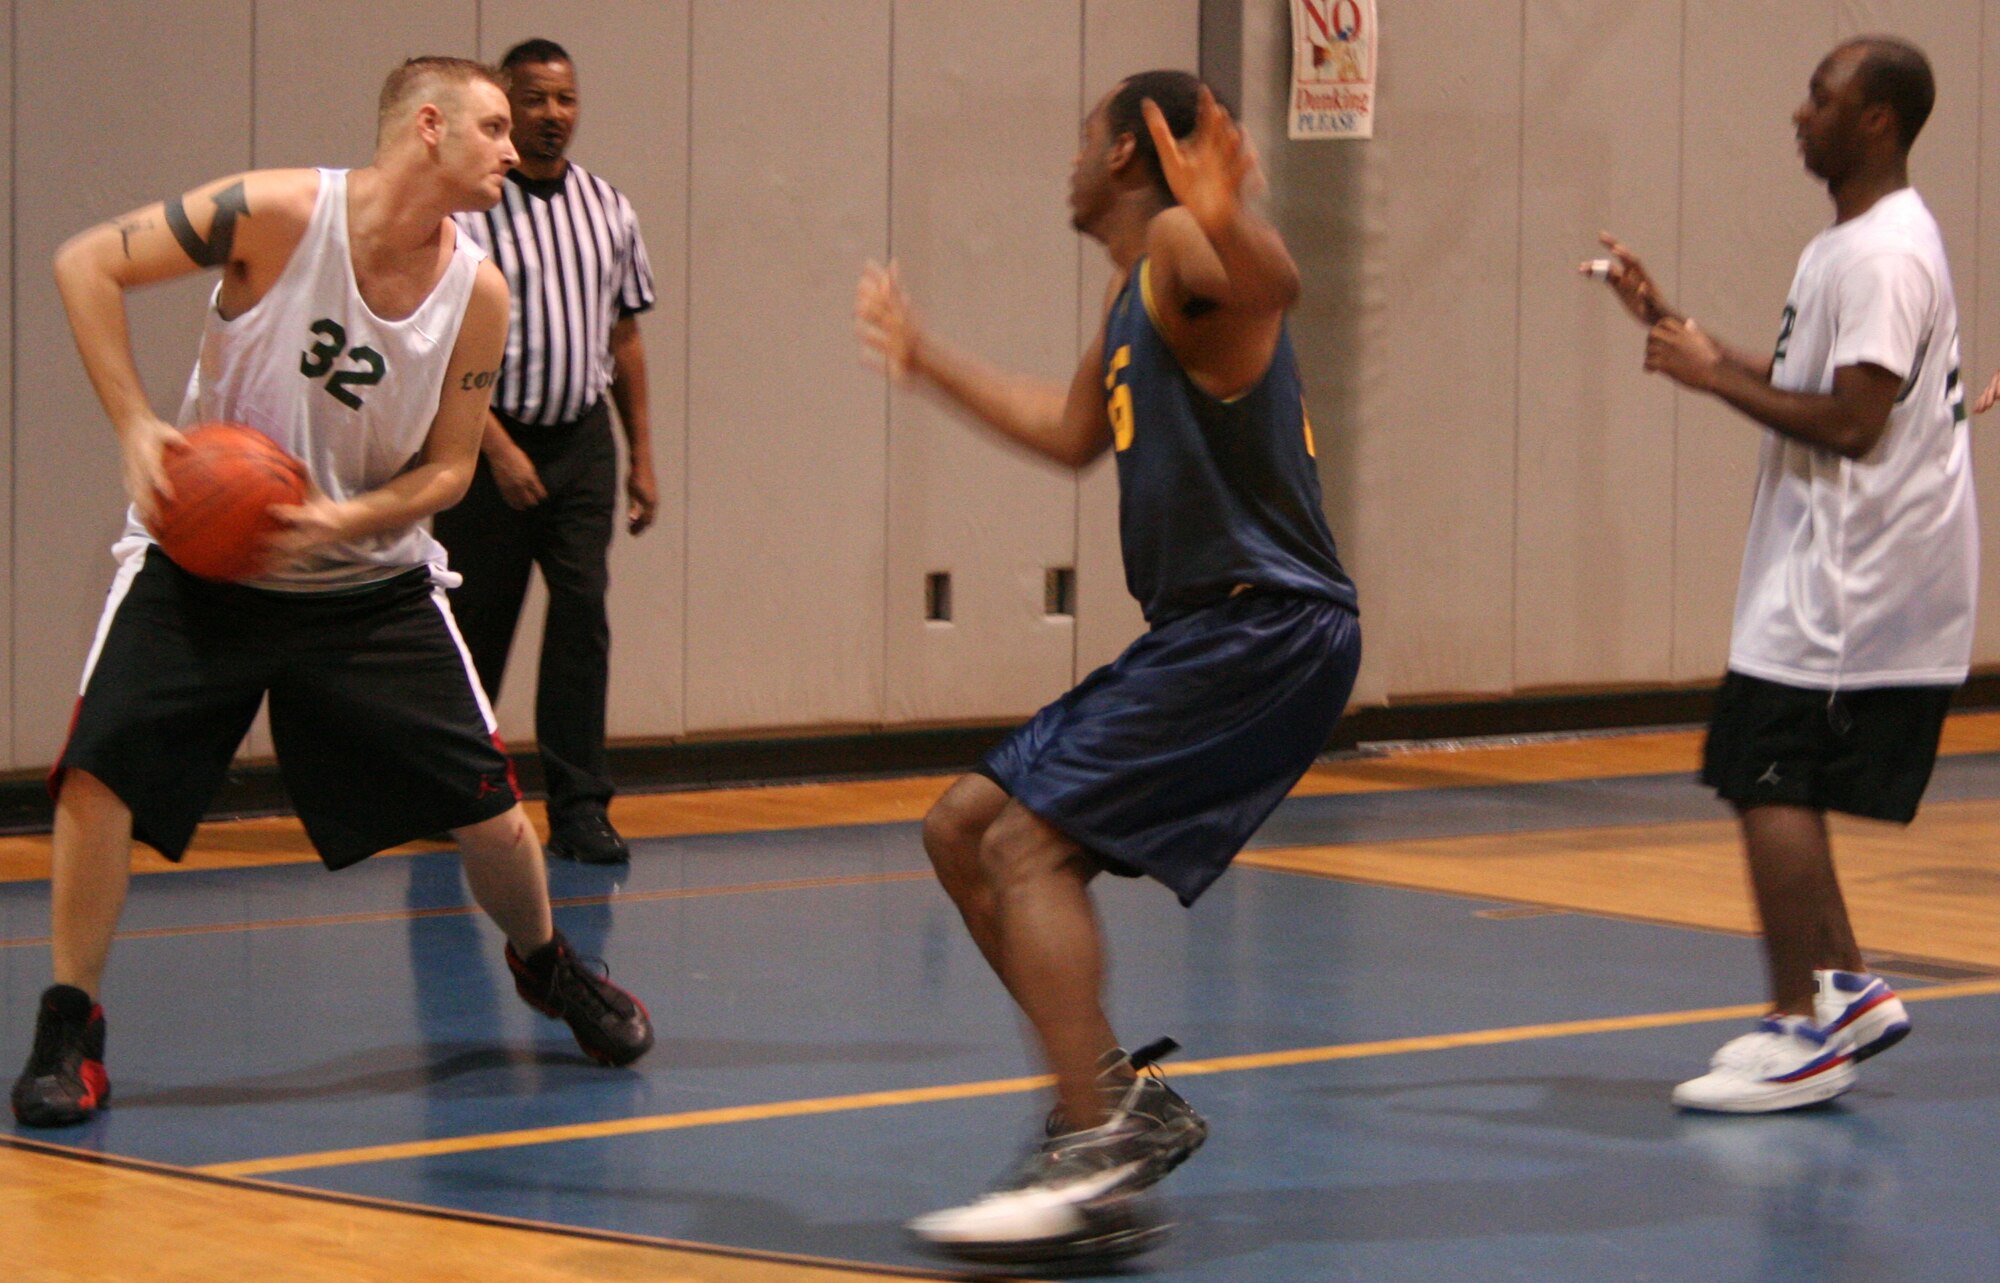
x=610 y=1025
x=64 y=1081
x=587 y=838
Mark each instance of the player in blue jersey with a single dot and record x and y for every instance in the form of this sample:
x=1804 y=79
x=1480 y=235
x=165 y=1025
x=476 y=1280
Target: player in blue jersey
x=1164 y=762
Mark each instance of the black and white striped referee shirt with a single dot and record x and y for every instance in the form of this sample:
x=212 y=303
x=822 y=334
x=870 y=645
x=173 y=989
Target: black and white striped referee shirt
x=570 y=250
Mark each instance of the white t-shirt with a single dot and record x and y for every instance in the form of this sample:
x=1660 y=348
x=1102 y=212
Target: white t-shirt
x=350 y=394
x=1862 y=573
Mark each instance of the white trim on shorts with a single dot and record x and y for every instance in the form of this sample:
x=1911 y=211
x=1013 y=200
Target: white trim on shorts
x=443 y=603
x=131 y=554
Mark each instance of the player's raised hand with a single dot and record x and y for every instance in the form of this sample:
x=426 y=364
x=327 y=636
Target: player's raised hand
x=1988 y=397
x=885 y=322
x=1630 y=281
x=1212 y=169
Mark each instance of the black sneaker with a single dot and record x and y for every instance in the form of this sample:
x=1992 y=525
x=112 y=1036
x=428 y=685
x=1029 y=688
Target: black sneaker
x=64 y=1082
x=588 y=839
x=1077 y=1194
x=610 y=1025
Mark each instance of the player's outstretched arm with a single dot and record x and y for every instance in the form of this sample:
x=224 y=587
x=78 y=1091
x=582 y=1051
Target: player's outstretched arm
x=451 y=451
x=1634 y=287
x=245 y=224
x=1071 y=427
x=1848 y=421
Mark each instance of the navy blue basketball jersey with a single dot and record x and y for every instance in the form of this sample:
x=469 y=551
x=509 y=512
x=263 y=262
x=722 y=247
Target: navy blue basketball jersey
x=1211 y=494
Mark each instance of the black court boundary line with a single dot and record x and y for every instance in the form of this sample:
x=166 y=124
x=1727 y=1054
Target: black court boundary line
x=148 y=1167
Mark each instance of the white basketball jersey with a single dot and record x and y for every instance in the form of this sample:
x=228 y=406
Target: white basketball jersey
x=1864 y=572
x=347 y=392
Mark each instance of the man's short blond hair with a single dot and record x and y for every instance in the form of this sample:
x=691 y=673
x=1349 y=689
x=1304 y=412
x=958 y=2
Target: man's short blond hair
x=432 y=78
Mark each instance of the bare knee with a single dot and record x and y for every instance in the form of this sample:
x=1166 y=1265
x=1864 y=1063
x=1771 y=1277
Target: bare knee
x=501 y=836
x=955 y=825
x=89 y=817
x=1020 y=848
x=83 y=794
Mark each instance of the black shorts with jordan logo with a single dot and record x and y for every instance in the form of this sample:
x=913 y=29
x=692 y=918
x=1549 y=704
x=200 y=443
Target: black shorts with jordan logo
x=381 y=732
x=1862 y=752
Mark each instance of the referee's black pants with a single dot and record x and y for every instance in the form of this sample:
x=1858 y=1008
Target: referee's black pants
x=568 y=535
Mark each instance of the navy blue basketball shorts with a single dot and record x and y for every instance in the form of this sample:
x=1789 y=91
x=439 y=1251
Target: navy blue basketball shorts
x=1864 y=752
x=1165 y=761
x=381 y=729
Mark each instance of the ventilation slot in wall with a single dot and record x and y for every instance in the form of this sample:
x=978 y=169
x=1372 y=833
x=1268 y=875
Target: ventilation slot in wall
x=1059 y=591
x=937 y=597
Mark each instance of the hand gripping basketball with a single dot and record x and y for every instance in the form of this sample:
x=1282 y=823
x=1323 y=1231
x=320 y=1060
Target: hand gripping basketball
x=214 y=519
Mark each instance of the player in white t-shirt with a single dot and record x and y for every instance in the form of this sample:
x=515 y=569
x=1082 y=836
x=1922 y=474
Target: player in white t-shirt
x=352 y=326
x=1854 y=613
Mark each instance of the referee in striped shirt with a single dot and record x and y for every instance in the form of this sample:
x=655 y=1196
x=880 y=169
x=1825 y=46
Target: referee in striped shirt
x=546 y=491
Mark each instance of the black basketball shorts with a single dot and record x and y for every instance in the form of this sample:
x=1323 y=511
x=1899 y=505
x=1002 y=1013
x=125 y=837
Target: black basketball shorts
x=381 y=729
x=1862 y=752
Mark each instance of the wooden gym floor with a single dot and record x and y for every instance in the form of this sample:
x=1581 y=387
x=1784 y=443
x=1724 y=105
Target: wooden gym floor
x=1432 y=1017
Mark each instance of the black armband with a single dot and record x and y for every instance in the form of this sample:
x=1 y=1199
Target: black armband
x=213 y=252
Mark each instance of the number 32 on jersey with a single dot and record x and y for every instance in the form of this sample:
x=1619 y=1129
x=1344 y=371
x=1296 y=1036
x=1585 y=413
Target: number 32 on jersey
x=318 y=361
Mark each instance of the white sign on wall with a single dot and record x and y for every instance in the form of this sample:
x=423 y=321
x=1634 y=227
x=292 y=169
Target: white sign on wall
x=1333 y=69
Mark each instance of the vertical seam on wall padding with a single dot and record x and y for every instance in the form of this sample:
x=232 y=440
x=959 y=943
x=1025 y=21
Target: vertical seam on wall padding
x=13 y=371
x=687 y=369
x=1076 y=311
x=253 y=86
x=1520 y=292
x=1978 y=207
x=1674 y=403
x=888 y=562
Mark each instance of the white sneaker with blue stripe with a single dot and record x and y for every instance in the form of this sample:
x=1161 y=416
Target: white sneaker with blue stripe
x=1788 y=1063
x=1861 y=1006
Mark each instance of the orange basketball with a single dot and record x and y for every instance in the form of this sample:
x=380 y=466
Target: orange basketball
x=225 y=480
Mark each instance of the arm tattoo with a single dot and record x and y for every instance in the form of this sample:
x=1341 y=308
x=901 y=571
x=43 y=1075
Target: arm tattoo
x=127 y=227
x=213 y=252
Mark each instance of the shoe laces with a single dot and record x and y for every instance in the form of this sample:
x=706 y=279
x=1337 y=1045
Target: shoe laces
x=1074 y=1154
x=54 y=1038
x=1126 y=1097
x=1772 y=1039
x=586 y=981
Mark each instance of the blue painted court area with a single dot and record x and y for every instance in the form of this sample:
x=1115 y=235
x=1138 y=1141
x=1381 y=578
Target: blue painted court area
x=367 y=1010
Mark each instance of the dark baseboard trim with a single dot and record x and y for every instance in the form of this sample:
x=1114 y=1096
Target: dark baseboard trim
x=684 y=765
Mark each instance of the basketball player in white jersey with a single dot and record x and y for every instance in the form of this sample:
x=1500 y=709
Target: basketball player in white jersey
x=1854 y=613
x=357 y=329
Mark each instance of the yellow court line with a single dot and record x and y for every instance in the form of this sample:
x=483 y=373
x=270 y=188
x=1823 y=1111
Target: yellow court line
x=1013 y=1086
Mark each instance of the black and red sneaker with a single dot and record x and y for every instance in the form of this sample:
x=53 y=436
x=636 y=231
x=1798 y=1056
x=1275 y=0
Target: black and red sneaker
x=610 y=1025
x=65 y=1081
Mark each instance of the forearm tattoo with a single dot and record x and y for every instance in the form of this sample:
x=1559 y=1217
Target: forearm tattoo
x=127 y=227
